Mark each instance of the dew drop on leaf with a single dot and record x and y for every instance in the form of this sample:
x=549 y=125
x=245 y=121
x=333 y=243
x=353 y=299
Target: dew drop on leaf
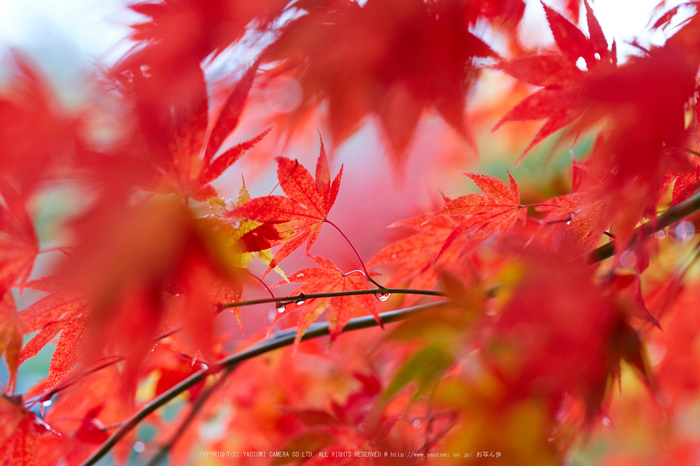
x=416 y=423
x=299 y=275
x=139 y=447
x=299 y=302
x=281 y=309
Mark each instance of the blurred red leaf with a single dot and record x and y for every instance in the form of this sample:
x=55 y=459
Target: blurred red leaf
x=185 y=154
x=11 y=330
x=19 y=432
x=144 y=270
x=19 y=244
x=564 y=334
x=36 y=135
x=380 y=66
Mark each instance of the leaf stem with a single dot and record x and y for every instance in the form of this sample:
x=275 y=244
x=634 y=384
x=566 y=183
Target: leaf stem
x=262 y=283
x=362 y=263
x=541 y=205
x=62 y=249
x=282 y=339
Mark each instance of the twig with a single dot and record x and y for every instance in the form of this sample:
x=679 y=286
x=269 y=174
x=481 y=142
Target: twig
x=282 y=339
x=304 y=296
x=203 y=397
x=362 y=263
x=671 y=216
x=286 y=338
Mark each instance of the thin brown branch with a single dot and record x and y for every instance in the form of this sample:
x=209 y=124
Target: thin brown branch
x=201 y=400
x=286 y=338
x=281 y=301
x=668 y=218
x=282 y=339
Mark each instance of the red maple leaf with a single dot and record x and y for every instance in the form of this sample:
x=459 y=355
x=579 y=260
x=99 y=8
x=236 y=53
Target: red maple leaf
x=324 y=279
x=572 y=223
x=560 y=99
x=299 y=216
x=418 y=255
x=64 y=312
x=496 y=210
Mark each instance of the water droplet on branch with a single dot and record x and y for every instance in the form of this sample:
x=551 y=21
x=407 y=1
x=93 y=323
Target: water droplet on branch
x=685 y=230
x=383 y=296
x=628 y=259
x=45 y=404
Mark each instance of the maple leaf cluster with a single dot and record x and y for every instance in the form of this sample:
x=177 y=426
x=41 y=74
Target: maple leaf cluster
x=522 y=320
